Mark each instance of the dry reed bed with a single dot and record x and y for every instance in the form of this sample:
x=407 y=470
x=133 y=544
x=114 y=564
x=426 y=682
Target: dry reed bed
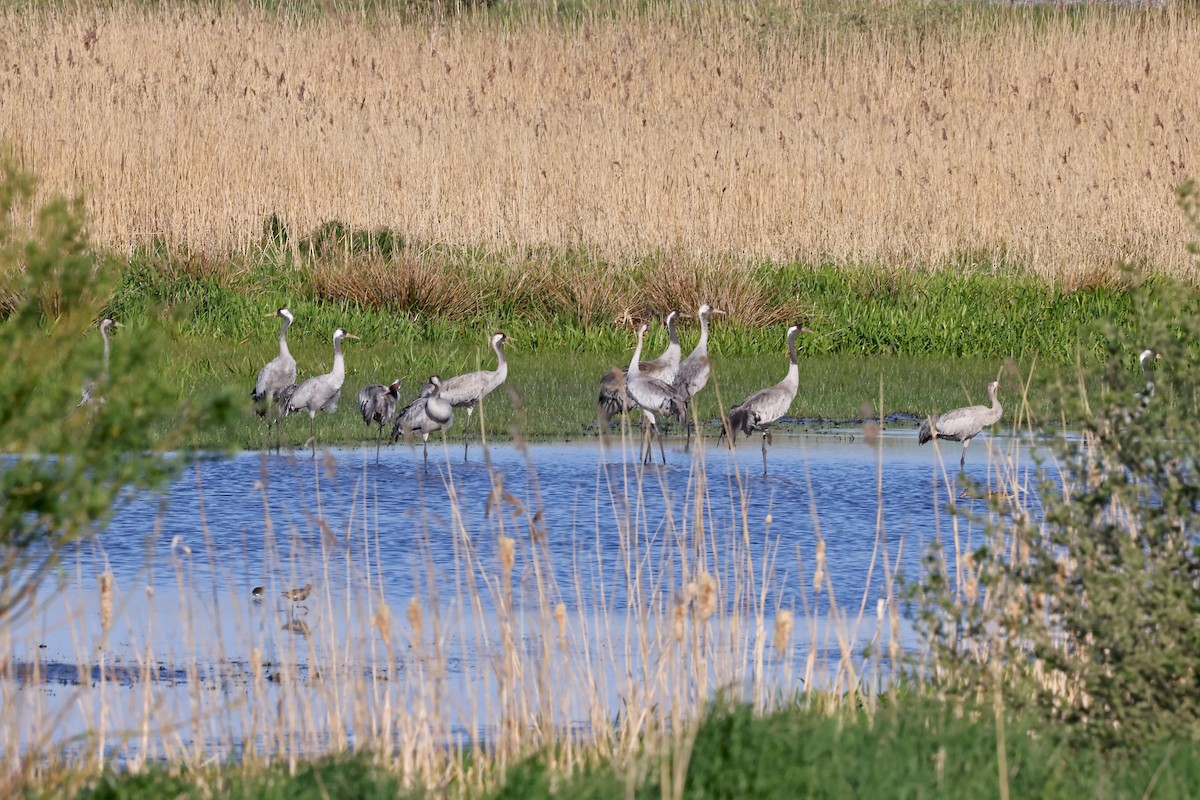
x=715 y=132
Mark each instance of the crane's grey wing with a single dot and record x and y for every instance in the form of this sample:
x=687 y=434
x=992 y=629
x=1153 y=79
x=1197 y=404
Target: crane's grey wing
x=369 y=400
x=466 y=389
x=960 y=423
x=925 y=432
x=331 y=401
x=693 y=375
x=285 y=397
x=277 y=374
x=614 y=396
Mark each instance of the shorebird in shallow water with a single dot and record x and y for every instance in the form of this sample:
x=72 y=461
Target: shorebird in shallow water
x=298 y=596
x=258 y=593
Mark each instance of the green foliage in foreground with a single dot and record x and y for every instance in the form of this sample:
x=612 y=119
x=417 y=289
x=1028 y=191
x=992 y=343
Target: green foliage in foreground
x=911 y=747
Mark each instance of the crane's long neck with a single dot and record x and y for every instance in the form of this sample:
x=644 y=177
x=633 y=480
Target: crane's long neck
x=104 y=368
x=996 y=409
x=283 y=346
x=637 y=355
x=339 y=362
x=792 y=379
x=702 y=345
x=501 y=361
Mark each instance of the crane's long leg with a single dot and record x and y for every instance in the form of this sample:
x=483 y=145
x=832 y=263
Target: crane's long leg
x=426 y=448
x=312 y=429
x=962 y=461
x=658 y=433
x=764 y=454
x=467 y=431
x=378 y=442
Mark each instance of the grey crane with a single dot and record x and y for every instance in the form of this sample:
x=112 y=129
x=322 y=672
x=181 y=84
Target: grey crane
x=694 y=371
x=428 y=413
x=320 y=392
x=653 y=396
x=962 y=424
x=278 y=374
x=614 y=392
x=467 y=390
x=377 y=404
x=1144 y=361
x=89 y=387
x=758 y=411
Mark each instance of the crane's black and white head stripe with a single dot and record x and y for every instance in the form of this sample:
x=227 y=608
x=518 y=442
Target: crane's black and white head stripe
x=283 y=312
x=499 y=337
x=1147 y=356
x=341 y=333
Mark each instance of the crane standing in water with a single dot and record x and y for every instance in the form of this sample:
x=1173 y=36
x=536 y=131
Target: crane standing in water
x=654 y=396
x=758 y=411
x=377 y=403
x=614 y=385
x=278 y=374
x=467 y=390
x=428 y=413
x=962 y=424
x=321 y=392
x=694 y=371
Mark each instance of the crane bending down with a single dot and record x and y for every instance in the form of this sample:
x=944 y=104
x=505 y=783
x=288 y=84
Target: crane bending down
x=962 y=424
x=377 y=403
x=89 y=387
x=694 y=371
x=320 y=392
x=278 y=374
x=428 y=413
x=654 y=396
x=614 y=385
x=466 y=391
x=758 y=411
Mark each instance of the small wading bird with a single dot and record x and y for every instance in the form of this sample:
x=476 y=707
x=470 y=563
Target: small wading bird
x=377 y=404
x=428 y=413
x=258 y=593
x=321 y=392
x=653 y=396
x=694 y=371
x=298 y=596
x=89 y=388
x=466 y=391
x=758 y=411
x=962 y=424
x=278 y=374
x=614 y=385
x=1147 y=358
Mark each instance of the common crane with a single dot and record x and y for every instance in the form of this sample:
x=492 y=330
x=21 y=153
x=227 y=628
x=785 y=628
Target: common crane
x=654 y=396
x=377 y=404
x=320 y=392
x=89 y=388
x=694 y=371
x=758 y=411
x=614 y=385
x=428 y=413
x=962 y=424
x=278 y=374
x=466 y=391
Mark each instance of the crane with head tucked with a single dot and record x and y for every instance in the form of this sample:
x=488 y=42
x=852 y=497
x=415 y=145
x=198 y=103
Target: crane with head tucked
x=428 y=413
x=377 y=404
x=654 y=397
x=468 y=390
x=962 y=424
x=89 y=387
x=694 y=371
x=320 y=392
x=278 y=374
x=614 y=385
x=761 y=409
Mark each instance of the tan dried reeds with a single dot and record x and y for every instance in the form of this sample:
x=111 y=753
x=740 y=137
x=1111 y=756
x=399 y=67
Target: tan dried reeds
x=984 y=139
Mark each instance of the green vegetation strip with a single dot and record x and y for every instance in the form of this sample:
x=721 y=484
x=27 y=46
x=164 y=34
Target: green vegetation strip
x=911 y=747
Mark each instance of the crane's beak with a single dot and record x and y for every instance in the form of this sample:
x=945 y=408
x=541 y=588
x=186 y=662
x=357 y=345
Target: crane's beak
x=349 y=336
x=717 y=311
x=272 y=314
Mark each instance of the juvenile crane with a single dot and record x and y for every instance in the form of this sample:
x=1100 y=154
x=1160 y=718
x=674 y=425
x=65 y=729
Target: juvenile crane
x=89 y=388
x=278 y=374
x=428 y=413
x=466 y=391
x=377 y=404
x=614 y=385
x=758 y=411
x=962 y=424
x=654 y=396
x=694 y=371
x=321 y=392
